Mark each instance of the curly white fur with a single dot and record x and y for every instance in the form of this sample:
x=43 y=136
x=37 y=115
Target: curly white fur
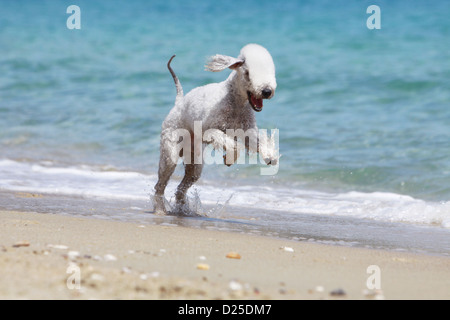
x=219 y=106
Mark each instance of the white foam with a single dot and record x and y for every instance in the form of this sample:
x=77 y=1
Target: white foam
x=79 y=181
x=378 y=205
x=103 y=182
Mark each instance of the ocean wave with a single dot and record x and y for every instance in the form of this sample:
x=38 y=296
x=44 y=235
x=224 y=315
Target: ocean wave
x=109 y=182
x=83 y=180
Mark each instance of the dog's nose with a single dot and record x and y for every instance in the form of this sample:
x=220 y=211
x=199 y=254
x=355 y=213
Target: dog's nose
x=266 y=93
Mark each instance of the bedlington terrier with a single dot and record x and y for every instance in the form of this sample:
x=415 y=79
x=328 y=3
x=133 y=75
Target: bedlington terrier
x=218 y=107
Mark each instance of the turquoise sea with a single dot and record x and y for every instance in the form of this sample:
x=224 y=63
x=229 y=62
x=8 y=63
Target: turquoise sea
x=363 y=115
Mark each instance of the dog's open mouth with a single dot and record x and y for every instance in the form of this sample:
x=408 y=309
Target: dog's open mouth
x=257 y=104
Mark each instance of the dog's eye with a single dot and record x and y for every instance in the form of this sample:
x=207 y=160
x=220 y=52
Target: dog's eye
x=247 y=74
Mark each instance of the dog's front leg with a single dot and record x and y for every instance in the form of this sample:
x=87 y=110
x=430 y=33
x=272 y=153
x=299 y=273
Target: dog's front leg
x=259 y=142
x=227 y=143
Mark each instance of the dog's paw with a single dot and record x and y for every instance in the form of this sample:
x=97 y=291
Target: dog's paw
x=228 y=163
x=160 y=212
x=159 y=205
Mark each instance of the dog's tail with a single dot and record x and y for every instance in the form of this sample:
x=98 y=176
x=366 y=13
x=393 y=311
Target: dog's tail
x=175 y=78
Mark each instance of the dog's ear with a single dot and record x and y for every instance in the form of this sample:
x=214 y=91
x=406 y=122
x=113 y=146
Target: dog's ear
x=220 y=62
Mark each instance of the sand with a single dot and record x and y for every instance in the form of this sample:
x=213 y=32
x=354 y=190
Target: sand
x=48 y=256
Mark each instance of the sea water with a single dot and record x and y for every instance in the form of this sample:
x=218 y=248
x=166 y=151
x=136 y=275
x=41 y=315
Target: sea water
x=363 y=114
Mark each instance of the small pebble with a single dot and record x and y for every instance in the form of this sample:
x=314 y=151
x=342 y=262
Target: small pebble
x=234 y=285
x=203 y=266
x=233 y=255
x=143 y=276
x=338 y=293
x=126 y=270
x=21 y=244
x=73 y=254
x=287 y=249
x=109 y=257
x=319 y=289
x=58 y=246
x=373 y=294
x=97 y=277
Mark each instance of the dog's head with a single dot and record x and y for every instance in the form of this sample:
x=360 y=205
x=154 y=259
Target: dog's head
x=255 y=69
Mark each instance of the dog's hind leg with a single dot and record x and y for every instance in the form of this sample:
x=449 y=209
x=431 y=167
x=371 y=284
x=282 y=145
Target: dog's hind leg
x=167 y=164
x=191 y=175
x=166 y=169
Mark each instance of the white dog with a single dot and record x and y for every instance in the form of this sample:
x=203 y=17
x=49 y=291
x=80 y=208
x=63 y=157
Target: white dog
x=219 y=106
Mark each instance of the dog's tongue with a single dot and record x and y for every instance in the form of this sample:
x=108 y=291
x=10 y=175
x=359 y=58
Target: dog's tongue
x=257 y=102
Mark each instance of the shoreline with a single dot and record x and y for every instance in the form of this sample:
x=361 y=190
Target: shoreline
x=338 y=230
x=40 y=253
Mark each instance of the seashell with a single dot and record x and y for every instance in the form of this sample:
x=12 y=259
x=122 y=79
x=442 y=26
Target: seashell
x=143 y=276
x=73 y=254
x=319 y=289
x=109 y=257
x=203 y=266
x=287 y=249
x=58 y=246
x=233 y=255
x=235 y=285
